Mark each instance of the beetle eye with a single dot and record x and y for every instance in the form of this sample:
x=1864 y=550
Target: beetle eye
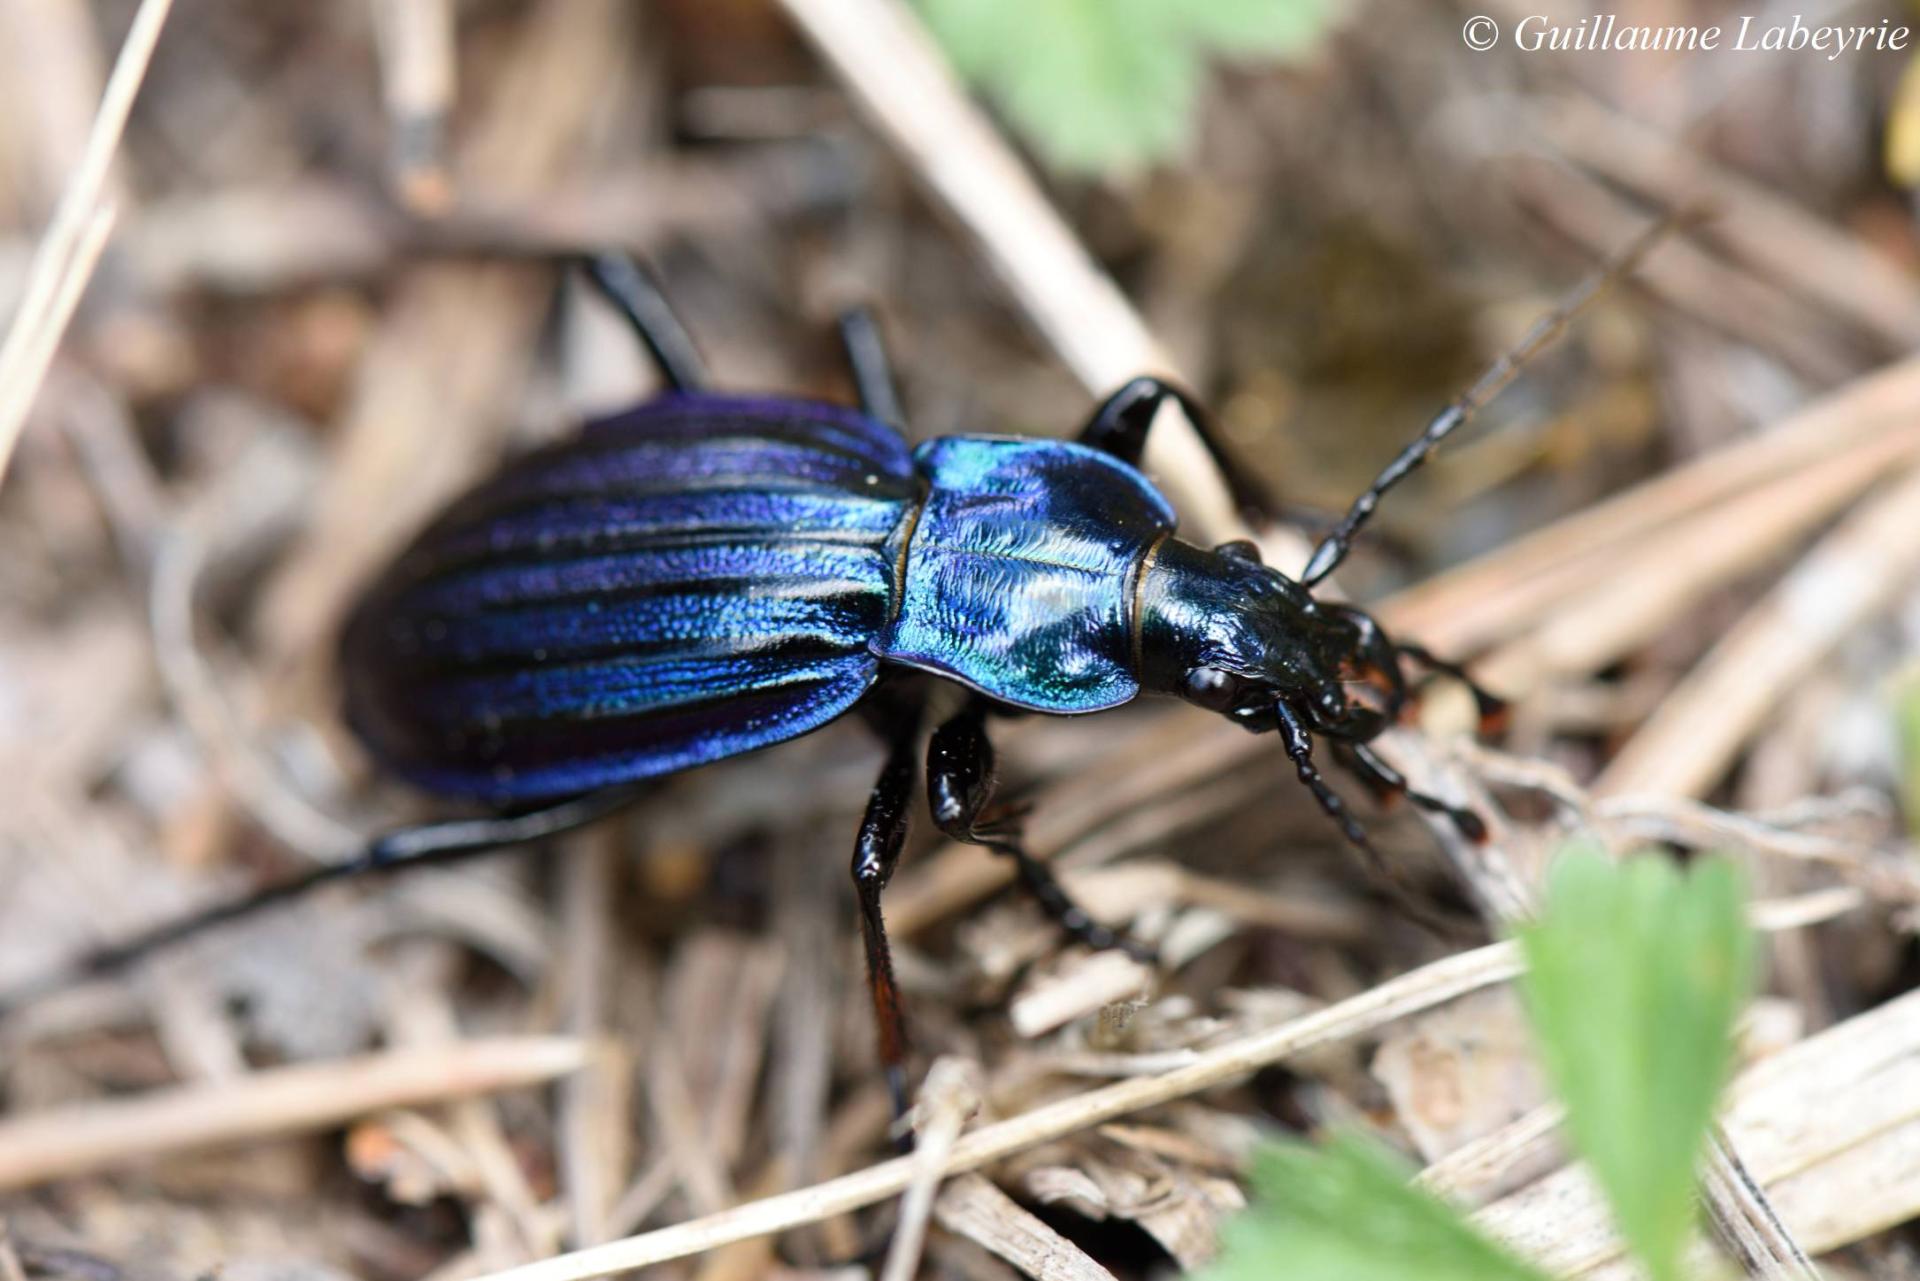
x=1242 y=549
x=1213 y=689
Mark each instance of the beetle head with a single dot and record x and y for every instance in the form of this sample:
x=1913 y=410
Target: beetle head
x=1232 y=635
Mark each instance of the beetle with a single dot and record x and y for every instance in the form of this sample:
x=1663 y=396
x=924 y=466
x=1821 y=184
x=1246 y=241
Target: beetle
x=709 y=574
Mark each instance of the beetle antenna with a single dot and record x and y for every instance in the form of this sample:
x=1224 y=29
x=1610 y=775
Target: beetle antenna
x=1334 y=547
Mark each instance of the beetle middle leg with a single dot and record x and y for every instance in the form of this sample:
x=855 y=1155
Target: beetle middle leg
x=1120 y=426
x=960 y=785
x=876 y=851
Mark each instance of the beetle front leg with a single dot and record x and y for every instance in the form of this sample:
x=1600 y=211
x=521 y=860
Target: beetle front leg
x=960 y=784
x=1368 y=764
x=1492 y=709
x=1297 y=739
x=1120 y=426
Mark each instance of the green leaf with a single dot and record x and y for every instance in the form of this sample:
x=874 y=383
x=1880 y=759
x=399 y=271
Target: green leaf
x=1276 y=28
x=1635 y=975
x=1906 y=712
x=1103 y=86
x=1346 y=1212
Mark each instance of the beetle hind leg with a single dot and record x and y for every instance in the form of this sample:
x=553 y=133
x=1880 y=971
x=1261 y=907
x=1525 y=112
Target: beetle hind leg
x=872 y=371
x=960 y=785
x=427 y=845
x=638 y=297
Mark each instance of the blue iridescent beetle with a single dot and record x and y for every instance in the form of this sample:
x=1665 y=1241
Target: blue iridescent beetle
x=708 y=574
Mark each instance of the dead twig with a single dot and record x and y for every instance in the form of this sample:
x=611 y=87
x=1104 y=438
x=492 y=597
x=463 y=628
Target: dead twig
x=972 y=1207
x=1832 y=1118
x=417 y=69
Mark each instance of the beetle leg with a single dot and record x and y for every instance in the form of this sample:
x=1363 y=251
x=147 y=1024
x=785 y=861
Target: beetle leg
x=875 y=852
x=637 y=296
x=1364 y=761
x=1491 y=707
x=960 y=783
x=1119 y=427
x=872 y=371
x=1298 y=742
x=430 y=844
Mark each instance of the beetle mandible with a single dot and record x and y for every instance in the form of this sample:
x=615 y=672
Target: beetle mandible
x=709 y=574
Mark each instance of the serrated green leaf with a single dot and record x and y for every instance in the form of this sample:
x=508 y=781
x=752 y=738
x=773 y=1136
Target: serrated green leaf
x=1345 y=1212
x=1635 y=976
x=1109 y=85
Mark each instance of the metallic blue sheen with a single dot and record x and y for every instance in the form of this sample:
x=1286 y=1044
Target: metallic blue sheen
x=1021 y=571
x=706 y=575
x=692 y=580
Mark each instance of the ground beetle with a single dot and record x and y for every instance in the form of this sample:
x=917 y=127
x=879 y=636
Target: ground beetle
x=708 y=574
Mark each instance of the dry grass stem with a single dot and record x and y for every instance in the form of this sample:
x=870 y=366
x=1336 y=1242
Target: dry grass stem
x=950 y=1095
x=416 y=44
x=1655 y=581
x=1420 y=989
x=898 y=74
x=1500 y=594
x=974 y=1208
x=20 y=386
x=279 y=1101
x=1849 y=578
x=71 y=246
x=1843 y=273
